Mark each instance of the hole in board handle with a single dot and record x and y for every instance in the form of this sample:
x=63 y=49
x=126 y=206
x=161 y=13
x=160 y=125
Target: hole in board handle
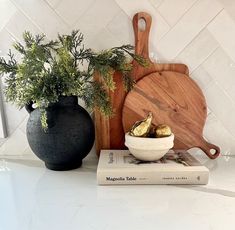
x=142 y=24
x=212 y=151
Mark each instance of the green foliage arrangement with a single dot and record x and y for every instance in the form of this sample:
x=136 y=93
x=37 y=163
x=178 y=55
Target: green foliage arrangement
x=50 y=69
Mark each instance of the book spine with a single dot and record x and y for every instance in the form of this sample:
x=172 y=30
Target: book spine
x=113 y=177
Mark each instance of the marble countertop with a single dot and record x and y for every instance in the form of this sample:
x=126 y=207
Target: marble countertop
x=35 y=198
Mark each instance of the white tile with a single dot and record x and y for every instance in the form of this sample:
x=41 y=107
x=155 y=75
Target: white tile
x=156 y=3
x=223 y=29
x=101 y=12
x=7 y=9
x=188 y=27
x=14 y=117
x=222 y=106
x=173 y=12
x=16 y=144
x=95 y=19
x=121 y=27
x=72 y=10
x=97 y=16
x=198 y=50
x=53 y=3
x=2 y=141
x=222 y=69
x=229 y=6
x=20 y=23
x=104 y=40
x=43 y=16
x=159 y=26
x=202 y=77
x=216 y=133
x=6 y=41
x=29 y=153
x=23 y=124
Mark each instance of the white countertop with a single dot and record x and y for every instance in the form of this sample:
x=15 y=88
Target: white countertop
x=35 y=198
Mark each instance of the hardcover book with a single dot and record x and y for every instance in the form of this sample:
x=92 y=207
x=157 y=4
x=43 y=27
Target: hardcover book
x=176 y=167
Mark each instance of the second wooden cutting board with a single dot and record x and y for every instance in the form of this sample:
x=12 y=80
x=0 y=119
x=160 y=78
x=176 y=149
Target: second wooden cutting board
x=174 y=99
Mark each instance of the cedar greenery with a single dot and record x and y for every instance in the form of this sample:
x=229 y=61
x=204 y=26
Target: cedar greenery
x=50 y=69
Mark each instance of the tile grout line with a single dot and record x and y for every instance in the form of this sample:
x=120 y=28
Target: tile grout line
x=75 y=23
x=200 y=31
x=201 y=66
x=12 y=35
x=17 y=127
x=224 y=91
x=191 y=43
x=115 y=16
x=211 y=111
x=206 y=58
x=164 y=19
x=107 y=30
x=54 y=10
x=159 y=4
x=196 y=1
x=57 y=3
x=180 y=18
x=232 y=135
x=155 y=9
x=9 y=138
x=29 y=18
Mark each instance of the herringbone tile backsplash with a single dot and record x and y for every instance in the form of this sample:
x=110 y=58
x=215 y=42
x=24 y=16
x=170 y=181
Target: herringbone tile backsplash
x=199 y=33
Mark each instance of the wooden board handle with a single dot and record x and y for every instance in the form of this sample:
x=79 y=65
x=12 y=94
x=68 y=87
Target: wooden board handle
x=207 y=147
x=142 y=35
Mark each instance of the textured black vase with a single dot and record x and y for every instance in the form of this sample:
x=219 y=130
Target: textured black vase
x=69 y=137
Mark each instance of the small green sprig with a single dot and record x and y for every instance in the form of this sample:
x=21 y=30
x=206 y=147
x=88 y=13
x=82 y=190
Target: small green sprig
x=49 y=69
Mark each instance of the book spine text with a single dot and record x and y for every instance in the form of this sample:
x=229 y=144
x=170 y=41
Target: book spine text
x=112 y=177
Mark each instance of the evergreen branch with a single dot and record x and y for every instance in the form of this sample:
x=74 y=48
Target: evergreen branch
x=50 y=69
x=19 y=47
x=9 y=66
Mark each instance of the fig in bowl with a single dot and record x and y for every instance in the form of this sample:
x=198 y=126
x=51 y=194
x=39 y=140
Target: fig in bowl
x=148 y=142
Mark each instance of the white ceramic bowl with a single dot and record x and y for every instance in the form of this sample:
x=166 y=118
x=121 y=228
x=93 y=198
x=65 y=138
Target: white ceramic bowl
x=149 y=149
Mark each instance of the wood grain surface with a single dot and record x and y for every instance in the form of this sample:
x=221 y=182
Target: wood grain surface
x=109 y=132
x=142 y=48
x=175 y=100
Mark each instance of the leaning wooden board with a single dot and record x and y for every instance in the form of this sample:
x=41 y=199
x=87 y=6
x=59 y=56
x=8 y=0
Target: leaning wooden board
x=174 y=99
x=110 y=132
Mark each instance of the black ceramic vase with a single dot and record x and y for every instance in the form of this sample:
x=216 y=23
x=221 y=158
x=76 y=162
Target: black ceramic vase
x=68 y=138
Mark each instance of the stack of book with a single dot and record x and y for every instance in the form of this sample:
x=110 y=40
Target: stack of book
x=176 y=167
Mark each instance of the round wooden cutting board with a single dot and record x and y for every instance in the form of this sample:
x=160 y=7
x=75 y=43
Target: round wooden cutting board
x=174 y=99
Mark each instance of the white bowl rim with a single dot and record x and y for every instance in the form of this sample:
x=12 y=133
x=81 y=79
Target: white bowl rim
x=149 y=143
